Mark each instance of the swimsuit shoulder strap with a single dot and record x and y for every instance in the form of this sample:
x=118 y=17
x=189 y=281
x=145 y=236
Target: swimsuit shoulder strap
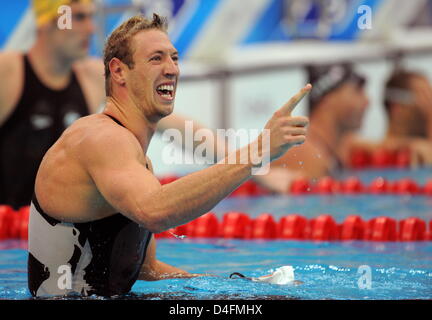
x=119 y=123
x=115 y=120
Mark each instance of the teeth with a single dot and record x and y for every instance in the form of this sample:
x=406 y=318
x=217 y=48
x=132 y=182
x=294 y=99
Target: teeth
x=166 y=87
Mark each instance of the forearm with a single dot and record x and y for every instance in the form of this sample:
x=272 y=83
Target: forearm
x=191 y=196
x=161 y=271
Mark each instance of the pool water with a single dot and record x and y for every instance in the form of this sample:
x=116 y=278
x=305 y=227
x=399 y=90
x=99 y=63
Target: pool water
x=328 y=270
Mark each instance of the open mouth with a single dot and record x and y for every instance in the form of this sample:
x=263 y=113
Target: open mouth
x=166 y=91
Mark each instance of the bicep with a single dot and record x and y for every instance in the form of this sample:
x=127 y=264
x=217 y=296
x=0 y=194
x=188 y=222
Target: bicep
x=121 y=178
x=124 y=186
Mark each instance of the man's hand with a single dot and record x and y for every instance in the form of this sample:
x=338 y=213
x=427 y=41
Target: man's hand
x=421 y=152
x=286 y=131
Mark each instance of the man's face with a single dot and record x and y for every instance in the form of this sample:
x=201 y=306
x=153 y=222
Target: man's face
x=352 y=102
x=73 y=44
x=422 y=94
x=152 y=82
x=412 y=115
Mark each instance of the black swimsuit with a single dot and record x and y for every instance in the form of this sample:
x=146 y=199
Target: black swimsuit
x=39 y=118
x=101 y=257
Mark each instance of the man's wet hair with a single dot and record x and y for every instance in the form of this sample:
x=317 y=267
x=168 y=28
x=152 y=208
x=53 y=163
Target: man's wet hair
x=119 y=43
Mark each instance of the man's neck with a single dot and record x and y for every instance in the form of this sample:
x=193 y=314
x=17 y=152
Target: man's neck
x=131 y=117
x=49 y=64
x=325 y=129
x=401 y=128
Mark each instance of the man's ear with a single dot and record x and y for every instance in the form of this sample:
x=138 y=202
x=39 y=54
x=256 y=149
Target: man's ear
x=117 y=71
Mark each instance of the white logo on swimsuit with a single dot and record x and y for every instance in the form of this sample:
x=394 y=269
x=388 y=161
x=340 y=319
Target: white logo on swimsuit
x=66 y=237
x=70 y=117
x=41 y=121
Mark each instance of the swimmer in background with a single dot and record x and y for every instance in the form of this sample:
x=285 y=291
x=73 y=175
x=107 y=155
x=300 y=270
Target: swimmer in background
x=336 y=108
x=46 y=89
x=408 y=105
x=97 y=203
x=43 y=91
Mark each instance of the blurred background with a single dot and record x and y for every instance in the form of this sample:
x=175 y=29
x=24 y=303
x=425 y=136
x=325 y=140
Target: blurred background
x=240 y=60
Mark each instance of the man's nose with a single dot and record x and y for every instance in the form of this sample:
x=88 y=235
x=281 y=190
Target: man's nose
x=171 y=69
x=89 y=24
x=91 y=27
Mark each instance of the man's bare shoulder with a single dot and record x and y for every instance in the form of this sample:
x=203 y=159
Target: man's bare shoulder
x=296 y=156
x=91 y=67
x=9 y=60
x=305 y=159
x=97 y=137
x=11 y=66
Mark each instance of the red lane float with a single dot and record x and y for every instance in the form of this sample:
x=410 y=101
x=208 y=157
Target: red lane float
x=326 y=185
x=323 y=227
x=206 y=226
x=427 y=189
x=168 y=179
x=403 y=158
x=300 y=186
x=6 y=215
x=359 y=159
x=236 y=225
x=292 y=227
x=383 y=158
x=379 y=158
x=24 y=214
x=412 y=229
x=382 y=229
x=406 y=186
x=352 y=185
x=264 y=227
x=329 y=186
x=353 y=228
x=380 y=186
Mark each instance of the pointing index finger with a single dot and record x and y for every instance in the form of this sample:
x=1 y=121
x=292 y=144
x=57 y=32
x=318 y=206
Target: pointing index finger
x=288 y=107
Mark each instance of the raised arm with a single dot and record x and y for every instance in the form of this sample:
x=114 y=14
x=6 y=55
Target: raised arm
x=121 y=177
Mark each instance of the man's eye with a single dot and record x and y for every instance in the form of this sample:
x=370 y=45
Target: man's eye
x=156 y=58
x=79 y=16
x=175 y=58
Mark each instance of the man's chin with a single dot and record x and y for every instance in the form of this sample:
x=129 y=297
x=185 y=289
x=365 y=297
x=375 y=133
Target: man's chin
x=166 y=110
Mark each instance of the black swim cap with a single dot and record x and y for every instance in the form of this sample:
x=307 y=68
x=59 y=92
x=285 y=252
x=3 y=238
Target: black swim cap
x=326 y=78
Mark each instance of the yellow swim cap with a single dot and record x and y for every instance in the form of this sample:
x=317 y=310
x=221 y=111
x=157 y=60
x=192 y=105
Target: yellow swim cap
x=46 y=10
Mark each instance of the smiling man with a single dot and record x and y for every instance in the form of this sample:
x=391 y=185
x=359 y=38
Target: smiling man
x=97 y=202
